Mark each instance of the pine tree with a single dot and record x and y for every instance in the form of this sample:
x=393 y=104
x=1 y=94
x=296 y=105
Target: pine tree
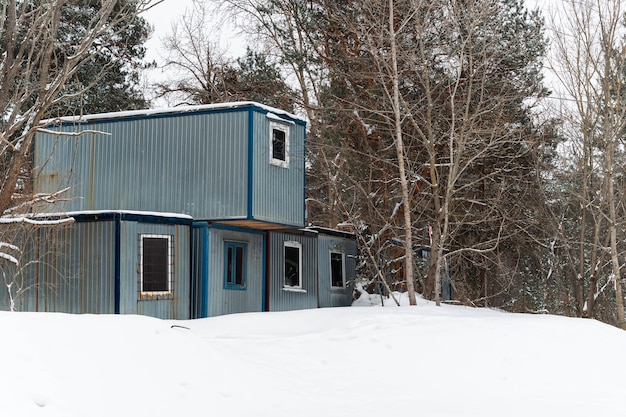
x=110 y=80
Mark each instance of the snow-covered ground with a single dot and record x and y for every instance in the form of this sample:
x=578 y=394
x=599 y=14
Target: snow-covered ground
x=357 y=361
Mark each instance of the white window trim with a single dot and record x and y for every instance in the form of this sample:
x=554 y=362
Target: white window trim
x=285 y=129
x=169 y=264
x=293 y=244
x=293 y=289
x=343 y=268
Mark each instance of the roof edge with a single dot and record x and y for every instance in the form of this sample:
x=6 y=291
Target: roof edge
x=170 y=110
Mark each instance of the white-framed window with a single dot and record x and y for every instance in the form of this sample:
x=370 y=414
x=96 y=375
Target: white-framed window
x=279 y=144
x=337 y=269
x=155 y=264
x=293 y=264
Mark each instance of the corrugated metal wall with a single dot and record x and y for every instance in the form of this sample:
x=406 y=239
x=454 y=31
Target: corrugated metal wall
x=192 y=163
x=280 y=298
x=278 y=192
x=72 y=269
x=56 y=159
x=189 y=163
x=329 y=295
x=175 y=306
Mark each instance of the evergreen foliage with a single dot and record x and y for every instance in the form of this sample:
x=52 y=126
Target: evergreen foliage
x=110 y=81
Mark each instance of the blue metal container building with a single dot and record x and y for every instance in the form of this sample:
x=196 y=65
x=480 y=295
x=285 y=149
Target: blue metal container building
x=210 y=162
x=217 y=190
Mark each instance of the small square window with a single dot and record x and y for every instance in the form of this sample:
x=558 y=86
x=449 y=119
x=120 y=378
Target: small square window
x=337 y=269
x=155 y=258
x=279 y=145
x=235 y=265
x=293 y=265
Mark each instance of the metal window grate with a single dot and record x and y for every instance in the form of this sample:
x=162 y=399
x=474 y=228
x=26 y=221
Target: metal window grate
x=156 y=264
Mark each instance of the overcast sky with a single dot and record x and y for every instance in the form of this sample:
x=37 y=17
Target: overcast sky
x=161 y=17
x=164 y=14
x=167 y=12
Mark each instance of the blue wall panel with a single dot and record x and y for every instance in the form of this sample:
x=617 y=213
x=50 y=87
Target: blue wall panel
x=278 y=191
x=174 y=306
x=190 y=163
x=281 y=298
x=226 y=301
x=333 y=296
x=72 y=270
x=68 y=269
x=198 y=162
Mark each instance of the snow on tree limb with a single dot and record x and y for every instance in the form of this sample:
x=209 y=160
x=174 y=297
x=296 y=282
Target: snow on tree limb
x=72 y=134
x=9 y=258
x=49 y=198
x=35 y=221
x=9 y=246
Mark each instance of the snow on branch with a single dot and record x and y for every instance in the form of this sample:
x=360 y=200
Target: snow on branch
x=9 y=258
x=72 y=134
x=50 y=198
x=36 y=221
x=5 y=245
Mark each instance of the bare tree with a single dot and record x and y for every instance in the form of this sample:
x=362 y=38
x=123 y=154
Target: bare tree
x=286 y=30
x=36 y=62
x=471 y=153
x=399 y=142
x=418 y=121
x=588 y=61
x=202 y=72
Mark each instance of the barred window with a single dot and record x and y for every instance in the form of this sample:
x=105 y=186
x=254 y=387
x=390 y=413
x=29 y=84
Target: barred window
x=156 y=259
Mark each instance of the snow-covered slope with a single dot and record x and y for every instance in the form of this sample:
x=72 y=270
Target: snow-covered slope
x=358 y=361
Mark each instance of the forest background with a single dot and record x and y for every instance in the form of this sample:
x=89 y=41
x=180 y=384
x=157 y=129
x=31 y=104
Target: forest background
x=432 y=133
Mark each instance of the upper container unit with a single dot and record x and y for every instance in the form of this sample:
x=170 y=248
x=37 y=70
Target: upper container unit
x=238 y=163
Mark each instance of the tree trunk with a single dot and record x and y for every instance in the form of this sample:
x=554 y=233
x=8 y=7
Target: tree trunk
x=408 y=240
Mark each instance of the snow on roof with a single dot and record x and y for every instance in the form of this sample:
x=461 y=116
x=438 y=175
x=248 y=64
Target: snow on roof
x=273 y=116
x=332 y=232
x=129 y=212
x=171 y=110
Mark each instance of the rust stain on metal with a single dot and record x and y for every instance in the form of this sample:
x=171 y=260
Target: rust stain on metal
x=92 y=175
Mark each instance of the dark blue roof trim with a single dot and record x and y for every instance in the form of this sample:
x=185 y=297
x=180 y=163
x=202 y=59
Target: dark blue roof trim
x=131 y=217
